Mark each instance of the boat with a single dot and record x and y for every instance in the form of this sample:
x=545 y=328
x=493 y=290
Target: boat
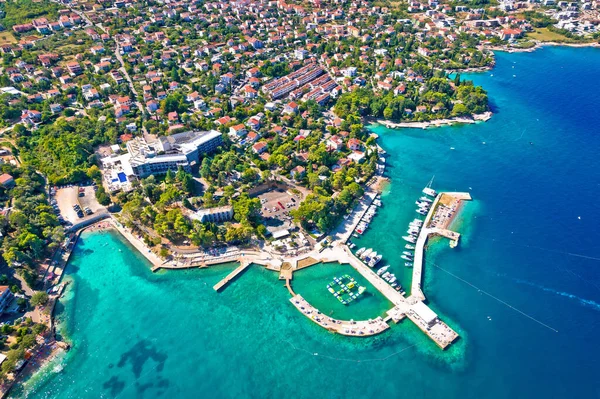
x=425 y=199
x=386 y=275
x=408 y=264
x=361 y=289
x=360 y=251
x=394 y=284
x=409 y=258
x=366 y=253
x=370 y=256
x=428 y=190
x=408 y=253
x=351 y=245
x=388 y=278
x=410 y=239
x=393 y=280
x=382 y=270
x=422 y=211
x=375 y=260
x=409 y=246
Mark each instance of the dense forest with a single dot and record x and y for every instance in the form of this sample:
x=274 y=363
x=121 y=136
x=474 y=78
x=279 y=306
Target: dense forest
x=64 y=151
x=30 y=229
x=23 y=11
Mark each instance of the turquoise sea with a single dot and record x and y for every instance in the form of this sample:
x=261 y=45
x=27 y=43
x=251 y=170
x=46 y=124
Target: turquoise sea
x=522 y=289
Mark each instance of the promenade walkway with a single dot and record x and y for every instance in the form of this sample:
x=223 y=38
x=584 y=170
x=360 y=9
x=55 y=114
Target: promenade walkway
x=344 y=231
x=362 y=328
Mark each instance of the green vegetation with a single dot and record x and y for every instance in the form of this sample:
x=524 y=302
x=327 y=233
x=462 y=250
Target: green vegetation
x=39 y=298
x=551 y=34
x=64 y=151
x=441 y=98
x=23 y=337
x=31 y=231
x=19 y=12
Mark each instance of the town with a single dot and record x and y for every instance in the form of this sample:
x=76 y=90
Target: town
x=204 y=129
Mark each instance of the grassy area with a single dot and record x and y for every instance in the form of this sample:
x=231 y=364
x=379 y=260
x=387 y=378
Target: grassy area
x=7 y=38
x=525 y=44
x=545 y=35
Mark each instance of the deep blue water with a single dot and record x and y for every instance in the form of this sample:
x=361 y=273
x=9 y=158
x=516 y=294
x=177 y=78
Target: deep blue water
x=530 y=245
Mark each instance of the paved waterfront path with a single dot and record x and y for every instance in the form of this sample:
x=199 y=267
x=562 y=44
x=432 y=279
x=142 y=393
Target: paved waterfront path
x=362 y=328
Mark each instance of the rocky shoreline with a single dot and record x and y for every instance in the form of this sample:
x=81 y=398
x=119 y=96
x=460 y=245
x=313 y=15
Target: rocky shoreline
x=484 y=117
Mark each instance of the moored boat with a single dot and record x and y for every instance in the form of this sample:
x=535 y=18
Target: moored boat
x=382 y=270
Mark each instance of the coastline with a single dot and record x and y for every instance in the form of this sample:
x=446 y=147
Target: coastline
x=139 y=245
x=538 y=45
x=484 y=117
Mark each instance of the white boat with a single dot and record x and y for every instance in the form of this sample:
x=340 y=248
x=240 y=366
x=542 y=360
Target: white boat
x=393 y=280
x=409 y=246
x=394 y=284
x=388 y=278
x=409 y=258
x=408 y=253
x=408 y=264
x=410 y=239
x=422 y=211
x=370 y=256
x=386 y=275
x=382 y=270
x=426 y=199
x=375 y=260
x=360 y=251
x=429 y=191
x=366 y=253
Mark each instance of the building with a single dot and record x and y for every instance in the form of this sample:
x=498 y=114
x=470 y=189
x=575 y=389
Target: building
x=425 y=313
x=6 y=180
x=181 y=150
x=214 y=215
x=5 y=297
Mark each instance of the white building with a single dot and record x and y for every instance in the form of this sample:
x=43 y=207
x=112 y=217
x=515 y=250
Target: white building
x=425 y=313
x=214 y=215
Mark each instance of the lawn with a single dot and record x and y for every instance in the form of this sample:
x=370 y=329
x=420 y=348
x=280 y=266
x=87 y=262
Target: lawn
x=545 y=35
x=7 y=38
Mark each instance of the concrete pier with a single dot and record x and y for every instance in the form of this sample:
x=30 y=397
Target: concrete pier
x=416 y=292
x=231 y=276
x=362 y=328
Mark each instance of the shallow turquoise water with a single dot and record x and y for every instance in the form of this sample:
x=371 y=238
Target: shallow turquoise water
x=530 y=239
x=312 y=282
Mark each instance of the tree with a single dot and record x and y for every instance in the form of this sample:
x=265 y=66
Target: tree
x=102 y=197
x=39 y=298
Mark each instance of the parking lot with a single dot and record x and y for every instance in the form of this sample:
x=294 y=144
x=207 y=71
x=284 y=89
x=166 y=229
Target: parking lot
x=277 y=204
x=75 y=203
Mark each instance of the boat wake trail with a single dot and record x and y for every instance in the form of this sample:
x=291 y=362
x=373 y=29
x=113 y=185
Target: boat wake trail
x=345 y=359
x=493 y=297
x=584 y=302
